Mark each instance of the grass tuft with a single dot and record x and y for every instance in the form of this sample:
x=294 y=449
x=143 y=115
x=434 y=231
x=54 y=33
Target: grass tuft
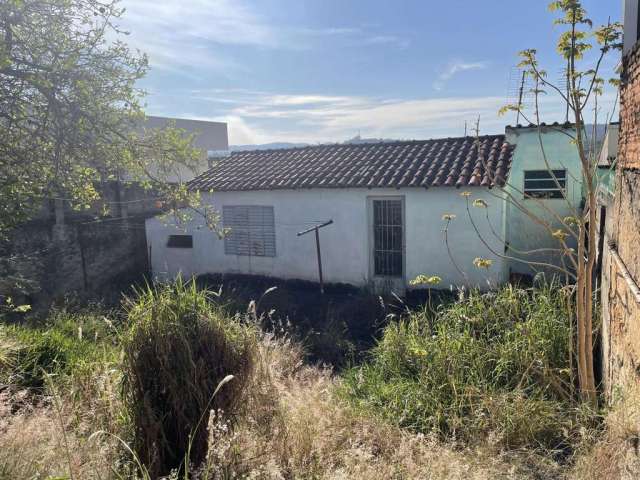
x=180 y=347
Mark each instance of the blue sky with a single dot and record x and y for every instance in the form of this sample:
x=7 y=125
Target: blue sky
x=324 y=70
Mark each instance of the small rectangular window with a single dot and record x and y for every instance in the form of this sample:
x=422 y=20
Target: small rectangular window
x=251 y=230
x=180 y=241
x=547 y=184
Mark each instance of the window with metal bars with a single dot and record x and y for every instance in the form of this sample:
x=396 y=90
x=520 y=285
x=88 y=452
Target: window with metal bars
x=251 y=230
x=388 y=241
x=546 y=184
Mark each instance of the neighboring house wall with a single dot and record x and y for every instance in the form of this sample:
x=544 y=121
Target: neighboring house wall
x=63 y=252
x=345 y=244
x=607 y=159
x=621 y=309
x=630 y=8
x=523 y=233
x=95 y=253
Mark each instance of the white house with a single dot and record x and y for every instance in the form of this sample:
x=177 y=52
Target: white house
x=389 y=203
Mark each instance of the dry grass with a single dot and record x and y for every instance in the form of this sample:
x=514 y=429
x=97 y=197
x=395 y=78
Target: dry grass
x=33 y=446
x=615 y=454
x=294 y=426
x=50 y=436
x=297 y=428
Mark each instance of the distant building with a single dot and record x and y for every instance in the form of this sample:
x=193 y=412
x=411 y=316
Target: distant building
x=211 y=139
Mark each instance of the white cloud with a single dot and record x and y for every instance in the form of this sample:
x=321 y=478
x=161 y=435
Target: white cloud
x=313 y=118
x=455 y=67
x=393 y=40
x=177 y=34
x=240 y=133
x=263 y=117
x=180 y=34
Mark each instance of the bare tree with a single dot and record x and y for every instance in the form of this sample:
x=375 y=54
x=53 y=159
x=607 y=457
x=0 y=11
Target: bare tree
x=584 y=86
x=573 y=236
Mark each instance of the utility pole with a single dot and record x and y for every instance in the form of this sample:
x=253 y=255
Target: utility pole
x=317 y=230
x=520 y=96
x=566 y=118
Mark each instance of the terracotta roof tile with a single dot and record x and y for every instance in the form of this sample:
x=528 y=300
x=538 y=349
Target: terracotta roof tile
x=455 y=162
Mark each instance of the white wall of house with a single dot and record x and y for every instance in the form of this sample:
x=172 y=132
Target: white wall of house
x=347 y=242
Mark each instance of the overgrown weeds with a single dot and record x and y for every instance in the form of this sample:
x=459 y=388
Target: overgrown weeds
x=481 y=389
x=179 y=348
x=63 y=344
x=296 y=426
x=494 y=364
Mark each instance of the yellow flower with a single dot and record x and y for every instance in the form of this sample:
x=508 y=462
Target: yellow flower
x=560 y=234
x=482 y=262
x=424 y=280
x=448 y=217
x=480 y=203
x=465 y=194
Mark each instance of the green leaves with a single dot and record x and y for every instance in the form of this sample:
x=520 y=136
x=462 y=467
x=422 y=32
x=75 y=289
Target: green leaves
x=73 y=111
x=610 y=36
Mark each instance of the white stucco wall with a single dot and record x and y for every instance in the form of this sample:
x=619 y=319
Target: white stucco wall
x=523 y=233
x=346 y=243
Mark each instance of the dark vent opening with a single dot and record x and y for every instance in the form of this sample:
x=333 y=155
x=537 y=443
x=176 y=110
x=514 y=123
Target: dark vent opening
x=180 y=241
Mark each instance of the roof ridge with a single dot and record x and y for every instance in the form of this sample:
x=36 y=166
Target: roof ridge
x=364 y=144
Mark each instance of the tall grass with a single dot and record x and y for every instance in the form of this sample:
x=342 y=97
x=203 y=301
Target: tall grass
x=494 y=364
x=58 y=378
x=66 y=342
x=180 y=347
x=497 y=377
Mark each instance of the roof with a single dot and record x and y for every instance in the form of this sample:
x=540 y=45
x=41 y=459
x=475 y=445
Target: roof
x=454 y=162
x=566 y=125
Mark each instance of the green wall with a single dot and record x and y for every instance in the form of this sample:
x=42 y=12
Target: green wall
x=522 y=232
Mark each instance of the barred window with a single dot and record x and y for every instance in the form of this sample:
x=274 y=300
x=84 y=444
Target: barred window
x=541 y=183
x=388 y=243
x=251 y=230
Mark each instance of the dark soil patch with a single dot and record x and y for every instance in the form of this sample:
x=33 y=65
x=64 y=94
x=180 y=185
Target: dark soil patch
x=336 y=327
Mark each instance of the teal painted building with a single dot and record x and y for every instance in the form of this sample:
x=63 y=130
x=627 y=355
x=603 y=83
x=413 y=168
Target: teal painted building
x=538 y=201
x=546 y=187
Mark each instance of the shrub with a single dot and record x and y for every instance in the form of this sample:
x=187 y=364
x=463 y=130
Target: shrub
x=495 y=363
x=179 y=348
